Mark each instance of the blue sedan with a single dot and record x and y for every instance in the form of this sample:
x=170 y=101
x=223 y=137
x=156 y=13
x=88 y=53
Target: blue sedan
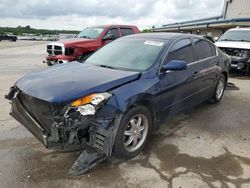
x=120 y=95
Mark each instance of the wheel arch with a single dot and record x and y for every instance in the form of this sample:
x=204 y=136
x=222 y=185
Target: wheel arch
x=152 y=110
x=225 y=74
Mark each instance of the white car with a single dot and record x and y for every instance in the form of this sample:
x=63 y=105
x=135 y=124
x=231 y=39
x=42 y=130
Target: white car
x=236 y=43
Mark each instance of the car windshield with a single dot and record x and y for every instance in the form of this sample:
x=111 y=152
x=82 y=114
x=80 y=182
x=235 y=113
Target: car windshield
x=236 y=35
x=136 y=54
x=90 y=32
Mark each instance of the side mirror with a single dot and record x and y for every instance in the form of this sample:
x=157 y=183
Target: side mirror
x=109 y=37
x=174 y=65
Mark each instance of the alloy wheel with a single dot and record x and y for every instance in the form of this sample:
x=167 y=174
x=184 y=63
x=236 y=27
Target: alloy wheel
x=220 y=88
x=135 y=132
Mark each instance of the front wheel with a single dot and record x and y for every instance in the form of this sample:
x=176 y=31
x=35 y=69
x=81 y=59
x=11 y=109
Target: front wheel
x=133 y=132
x=219 y=89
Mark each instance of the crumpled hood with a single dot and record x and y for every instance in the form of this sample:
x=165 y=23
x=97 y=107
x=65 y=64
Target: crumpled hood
x=233 y=44
x=64 y=83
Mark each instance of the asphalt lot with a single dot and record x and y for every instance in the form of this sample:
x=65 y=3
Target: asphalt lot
x=206 y=147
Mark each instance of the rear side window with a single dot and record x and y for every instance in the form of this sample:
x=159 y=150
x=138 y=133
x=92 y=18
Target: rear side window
x=126 y=31
x=182 y=50
x=204 y=49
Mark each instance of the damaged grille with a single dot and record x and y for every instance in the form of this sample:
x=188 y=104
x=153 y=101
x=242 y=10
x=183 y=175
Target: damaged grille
x=49 y=49
x=69 y=51
x=99 y=141
x=40 y=110
x=54 y=50
x=237 y=55
x=231 y=51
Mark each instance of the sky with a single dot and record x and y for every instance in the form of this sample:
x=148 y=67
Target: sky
x=78 y=14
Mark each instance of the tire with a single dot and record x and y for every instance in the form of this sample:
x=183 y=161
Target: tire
x=219 y=89
x=131 y=128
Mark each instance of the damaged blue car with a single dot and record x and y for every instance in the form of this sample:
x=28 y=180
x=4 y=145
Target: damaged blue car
x=120 y=95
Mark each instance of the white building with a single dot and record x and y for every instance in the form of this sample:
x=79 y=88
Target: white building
x=235 y=13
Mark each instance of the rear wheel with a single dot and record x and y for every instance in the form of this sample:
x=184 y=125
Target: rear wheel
x=133 y=132
x=219 y=89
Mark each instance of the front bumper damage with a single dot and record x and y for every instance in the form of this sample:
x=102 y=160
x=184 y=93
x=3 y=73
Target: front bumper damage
x=240 y=58
x=94 y=135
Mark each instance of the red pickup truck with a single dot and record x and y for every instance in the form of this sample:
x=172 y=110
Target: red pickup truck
x=85 y=43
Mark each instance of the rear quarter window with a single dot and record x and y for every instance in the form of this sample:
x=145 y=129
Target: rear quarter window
x=204 y=49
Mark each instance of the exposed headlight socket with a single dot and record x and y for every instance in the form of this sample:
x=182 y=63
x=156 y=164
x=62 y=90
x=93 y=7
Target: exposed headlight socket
x=87 y=105
x=87 y=109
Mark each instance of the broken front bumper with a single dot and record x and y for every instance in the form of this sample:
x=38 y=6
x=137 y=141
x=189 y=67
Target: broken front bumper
x=97 y=140
x=22 y=116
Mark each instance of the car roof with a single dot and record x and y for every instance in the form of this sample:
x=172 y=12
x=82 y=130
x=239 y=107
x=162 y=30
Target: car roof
x=162 y=35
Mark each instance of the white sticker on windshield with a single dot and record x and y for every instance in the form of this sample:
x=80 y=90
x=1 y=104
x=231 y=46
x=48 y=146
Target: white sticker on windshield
x=154 y=43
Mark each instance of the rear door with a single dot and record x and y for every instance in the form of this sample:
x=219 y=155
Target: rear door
x=206 y=55
x=179 y=88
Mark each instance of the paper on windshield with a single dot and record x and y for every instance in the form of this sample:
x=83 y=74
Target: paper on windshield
x=153 y=43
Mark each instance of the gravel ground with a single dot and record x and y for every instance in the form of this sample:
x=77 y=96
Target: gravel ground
x=206 y=147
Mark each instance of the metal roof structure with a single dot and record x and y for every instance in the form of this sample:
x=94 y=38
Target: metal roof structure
x=222 y=22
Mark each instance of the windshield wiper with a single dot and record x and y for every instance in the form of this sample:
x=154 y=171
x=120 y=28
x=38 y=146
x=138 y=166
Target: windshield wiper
x=87 y=37
x=106 y=66
x=228 y=40
x=243 y=40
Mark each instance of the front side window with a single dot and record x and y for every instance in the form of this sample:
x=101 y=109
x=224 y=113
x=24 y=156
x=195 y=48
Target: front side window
x=136 y=54
x=90 y=32
x=126 y=31
x=113 y=32
x=203 y=49
x=182 y=50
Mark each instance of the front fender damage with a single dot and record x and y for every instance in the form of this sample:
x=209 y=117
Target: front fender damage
x=102 y=149
x=95 y=135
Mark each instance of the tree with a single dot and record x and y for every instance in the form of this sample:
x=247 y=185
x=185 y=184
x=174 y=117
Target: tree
x=27 y=27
